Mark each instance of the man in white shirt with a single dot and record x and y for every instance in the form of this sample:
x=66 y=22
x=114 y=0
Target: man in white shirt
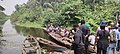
x=91 y=39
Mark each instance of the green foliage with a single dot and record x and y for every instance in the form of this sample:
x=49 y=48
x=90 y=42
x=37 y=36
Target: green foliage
x=3 y=18
x=66 y=13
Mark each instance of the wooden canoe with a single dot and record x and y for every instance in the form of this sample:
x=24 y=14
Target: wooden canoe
x=65 y=41
x=49 y=43
x=31 y=50
x=46 y=30
x=62 y=40
x=31 y=39
x=32 y=47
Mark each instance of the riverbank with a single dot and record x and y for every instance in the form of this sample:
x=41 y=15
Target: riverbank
x=29 y=25
x=2 y=21
x=33 y=25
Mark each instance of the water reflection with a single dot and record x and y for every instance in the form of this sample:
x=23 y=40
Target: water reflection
x=1 y=43
x=36 y=32
x=1 y=23
x=11 y=41
x=13 y=37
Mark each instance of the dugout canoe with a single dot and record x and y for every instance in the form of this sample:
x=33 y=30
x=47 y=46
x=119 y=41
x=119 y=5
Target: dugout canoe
x=32 y=46
x=46 y=30
x=48 y=43
x=31 y=49
x=64 y=41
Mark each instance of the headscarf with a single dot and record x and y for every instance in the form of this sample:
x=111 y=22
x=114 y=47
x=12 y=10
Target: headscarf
x=103 y=23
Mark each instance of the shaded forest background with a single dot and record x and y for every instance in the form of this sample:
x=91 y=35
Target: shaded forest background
x=40 y=13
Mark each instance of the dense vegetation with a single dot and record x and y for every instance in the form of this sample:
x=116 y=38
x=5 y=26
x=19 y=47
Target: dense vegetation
x=2 y=15
x=3 y=18
x=39 y=13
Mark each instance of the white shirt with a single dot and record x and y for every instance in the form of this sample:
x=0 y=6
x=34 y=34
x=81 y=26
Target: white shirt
x=106 y=28
x=118 y=35
x=91 y=38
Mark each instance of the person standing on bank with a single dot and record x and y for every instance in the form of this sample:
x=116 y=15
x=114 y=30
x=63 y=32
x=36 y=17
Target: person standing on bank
x=86 y=33
x=102 y=40
x=118 y=38
x=113 y=39
x=78 y=45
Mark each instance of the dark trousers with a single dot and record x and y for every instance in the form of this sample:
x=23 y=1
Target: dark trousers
x=87 y=49
x=99 y=50
x=118 y=45
x=78 y=51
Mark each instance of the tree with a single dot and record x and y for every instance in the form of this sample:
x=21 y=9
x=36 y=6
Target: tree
x=67 y=12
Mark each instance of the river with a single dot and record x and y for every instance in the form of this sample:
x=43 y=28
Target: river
x=12 y=41
x=13 y=37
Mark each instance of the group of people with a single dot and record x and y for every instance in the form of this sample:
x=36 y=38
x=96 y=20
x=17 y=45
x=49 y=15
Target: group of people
x=64 y=32
x=106 y=38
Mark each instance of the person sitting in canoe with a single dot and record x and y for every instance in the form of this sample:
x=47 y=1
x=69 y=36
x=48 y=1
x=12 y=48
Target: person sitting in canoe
x=50 y=28
x=55 y=29
x=62 y=33
x=58 y=30
x=67 y=32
